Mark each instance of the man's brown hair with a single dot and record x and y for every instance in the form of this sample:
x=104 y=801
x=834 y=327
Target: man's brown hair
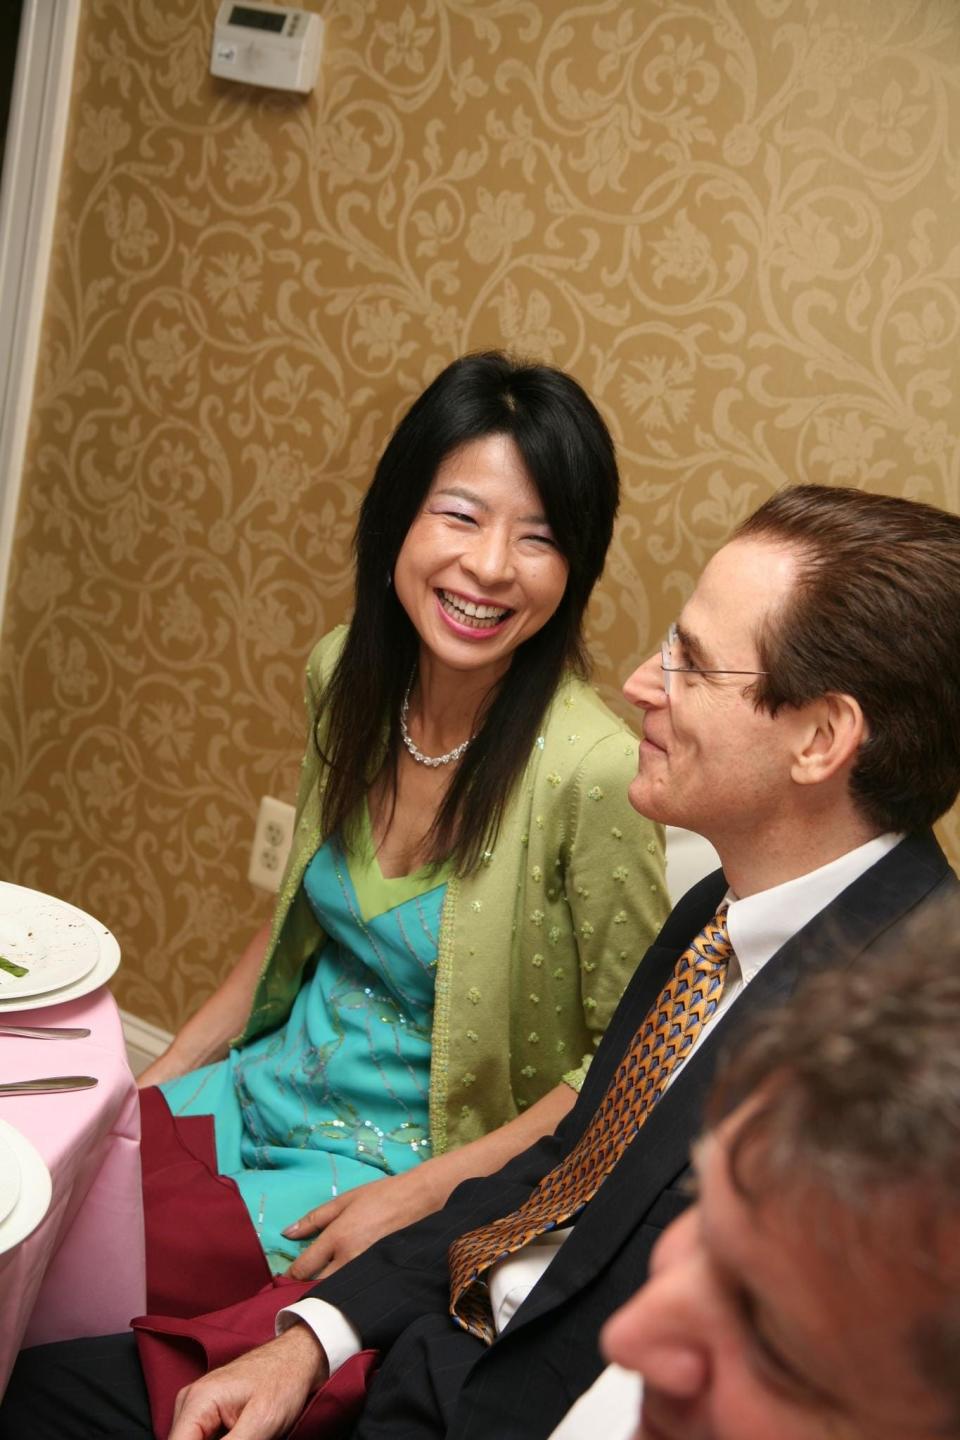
x=854 y=1091
x=874 y=613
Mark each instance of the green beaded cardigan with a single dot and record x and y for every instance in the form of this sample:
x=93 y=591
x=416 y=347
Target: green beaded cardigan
x=537 y=945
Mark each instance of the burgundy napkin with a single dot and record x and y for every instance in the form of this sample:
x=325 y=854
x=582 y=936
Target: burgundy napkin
x=202 y=1250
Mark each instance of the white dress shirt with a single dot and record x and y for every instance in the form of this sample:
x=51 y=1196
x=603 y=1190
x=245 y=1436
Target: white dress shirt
x=609 y=1408
x=758 y=926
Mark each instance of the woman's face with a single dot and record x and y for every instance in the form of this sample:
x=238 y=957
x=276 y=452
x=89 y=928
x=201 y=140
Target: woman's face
x=479 y=571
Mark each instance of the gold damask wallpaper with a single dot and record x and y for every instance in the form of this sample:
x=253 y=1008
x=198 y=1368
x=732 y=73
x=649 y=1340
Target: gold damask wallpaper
x=735 y=220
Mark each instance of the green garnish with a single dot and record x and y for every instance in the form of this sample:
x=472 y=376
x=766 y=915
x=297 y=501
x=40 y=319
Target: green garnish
x=12 y=968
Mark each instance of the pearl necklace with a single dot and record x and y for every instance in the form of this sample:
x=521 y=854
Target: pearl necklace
x=432 y=760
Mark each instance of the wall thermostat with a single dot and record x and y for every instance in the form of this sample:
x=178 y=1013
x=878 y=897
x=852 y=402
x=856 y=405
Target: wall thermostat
x=267 y=45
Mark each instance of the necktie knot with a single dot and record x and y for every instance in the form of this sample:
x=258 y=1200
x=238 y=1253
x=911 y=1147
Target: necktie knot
x=712 y=946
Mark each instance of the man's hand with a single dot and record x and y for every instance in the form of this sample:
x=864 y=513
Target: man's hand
x=256 y=1397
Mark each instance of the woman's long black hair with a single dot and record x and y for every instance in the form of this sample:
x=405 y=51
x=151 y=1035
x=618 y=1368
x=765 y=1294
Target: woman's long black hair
x=569 y=454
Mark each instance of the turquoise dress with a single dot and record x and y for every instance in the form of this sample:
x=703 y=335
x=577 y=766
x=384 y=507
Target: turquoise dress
x=338 y=1095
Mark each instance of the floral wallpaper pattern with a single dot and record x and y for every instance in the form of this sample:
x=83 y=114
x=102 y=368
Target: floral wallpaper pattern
x=734 y=220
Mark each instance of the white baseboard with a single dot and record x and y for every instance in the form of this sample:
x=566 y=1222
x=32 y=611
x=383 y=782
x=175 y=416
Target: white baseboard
x=144 y=1041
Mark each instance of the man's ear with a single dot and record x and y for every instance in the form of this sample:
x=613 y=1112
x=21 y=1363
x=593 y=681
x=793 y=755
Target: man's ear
x=831 y=731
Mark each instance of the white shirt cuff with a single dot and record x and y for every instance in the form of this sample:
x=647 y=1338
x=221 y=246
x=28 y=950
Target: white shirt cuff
x=338 y=1337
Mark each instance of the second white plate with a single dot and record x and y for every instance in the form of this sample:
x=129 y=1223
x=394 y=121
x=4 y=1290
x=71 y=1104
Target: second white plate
x=33 y=1199
x=9 y=1179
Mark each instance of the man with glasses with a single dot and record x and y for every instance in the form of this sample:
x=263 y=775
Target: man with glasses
x=804 y=716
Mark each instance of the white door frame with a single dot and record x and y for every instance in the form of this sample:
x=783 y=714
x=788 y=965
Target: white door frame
x=32 y=161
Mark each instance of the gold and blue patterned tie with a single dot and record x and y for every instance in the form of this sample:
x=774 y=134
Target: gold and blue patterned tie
x=684 y=1006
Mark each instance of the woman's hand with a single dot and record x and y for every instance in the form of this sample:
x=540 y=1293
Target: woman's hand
x=165 y=1067
x=351 y=1222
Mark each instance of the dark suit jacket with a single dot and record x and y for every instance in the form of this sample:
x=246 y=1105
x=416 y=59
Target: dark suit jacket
x=519 y=1388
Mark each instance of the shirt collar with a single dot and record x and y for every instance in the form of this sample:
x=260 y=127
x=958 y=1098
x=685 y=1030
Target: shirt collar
x=760 y=924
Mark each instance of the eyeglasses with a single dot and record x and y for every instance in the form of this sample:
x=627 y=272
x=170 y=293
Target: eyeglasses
x=668 y=668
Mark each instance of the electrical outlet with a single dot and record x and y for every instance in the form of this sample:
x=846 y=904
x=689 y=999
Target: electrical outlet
x=271 y=843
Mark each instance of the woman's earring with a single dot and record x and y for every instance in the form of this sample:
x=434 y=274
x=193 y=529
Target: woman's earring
x=389 y=579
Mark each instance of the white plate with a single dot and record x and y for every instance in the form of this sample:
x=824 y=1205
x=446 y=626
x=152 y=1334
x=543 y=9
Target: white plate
x=14 y=898
x=9 y=1179
x=35 y=1190
x=54 y=946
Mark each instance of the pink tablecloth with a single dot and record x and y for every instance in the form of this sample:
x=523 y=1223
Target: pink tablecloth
x=81 y=1272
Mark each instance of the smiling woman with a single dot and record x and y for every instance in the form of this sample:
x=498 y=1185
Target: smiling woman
x=468 y=890
x=481 y=525
x=479 y=571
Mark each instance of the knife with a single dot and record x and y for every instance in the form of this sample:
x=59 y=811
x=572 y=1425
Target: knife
x=46 y=1084
x=44 y=1032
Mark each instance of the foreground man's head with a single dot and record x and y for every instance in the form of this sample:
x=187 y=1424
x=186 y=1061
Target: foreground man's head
x=813 y=1291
